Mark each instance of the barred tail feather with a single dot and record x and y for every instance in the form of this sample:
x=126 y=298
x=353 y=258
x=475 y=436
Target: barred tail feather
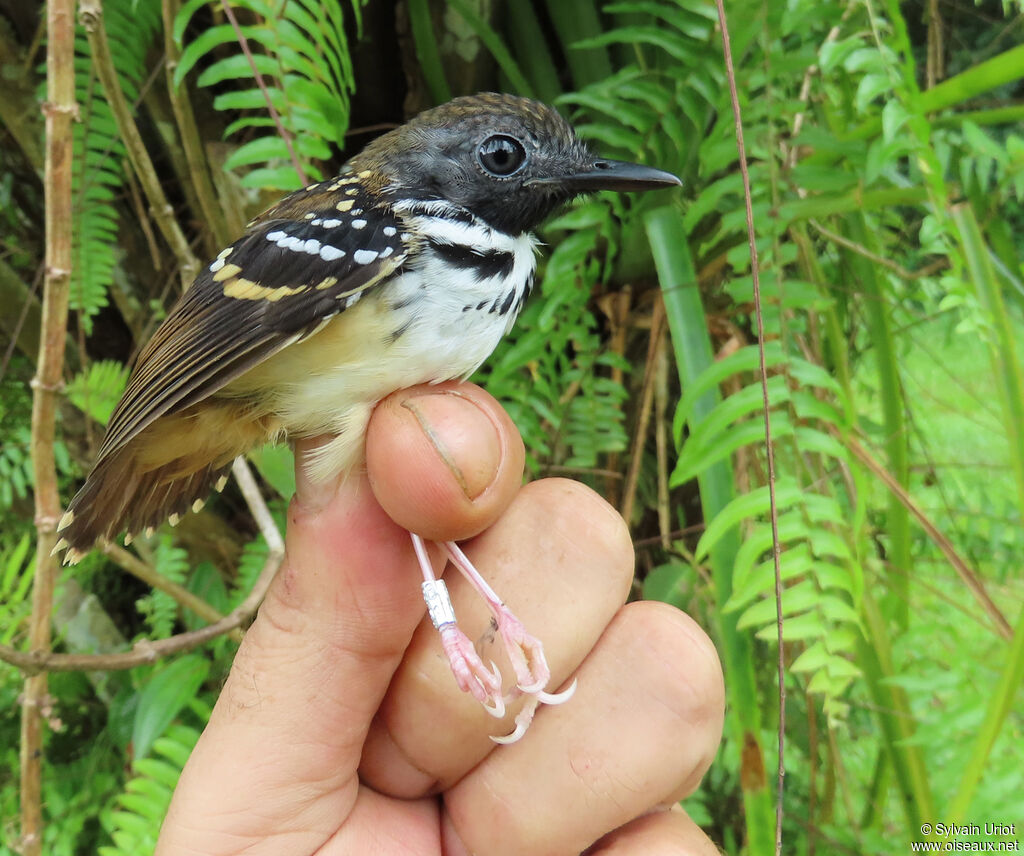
x=110 y=503
x=163 y=473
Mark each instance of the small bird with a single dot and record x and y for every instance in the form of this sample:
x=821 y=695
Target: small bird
x=407 y=267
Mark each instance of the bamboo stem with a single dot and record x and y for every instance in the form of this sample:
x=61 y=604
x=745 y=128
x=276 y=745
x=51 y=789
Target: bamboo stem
x=59 y=111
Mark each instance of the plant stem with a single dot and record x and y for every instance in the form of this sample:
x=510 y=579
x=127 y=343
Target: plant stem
x=59 y=111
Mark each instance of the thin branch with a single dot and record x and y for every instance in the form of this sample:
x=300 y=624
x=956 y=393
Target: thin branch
x=91 y=16
x=970 y=578
x=59 y=110
x=658 y=327
x=260 y=512
x=153 y=578
x=147 y=651
x=661 y=442
x=769 y=449
x=888 y=264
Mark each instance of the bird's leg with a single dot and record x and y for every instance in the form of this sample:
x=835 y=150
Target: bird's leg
x=471 y=674
x=524 y=650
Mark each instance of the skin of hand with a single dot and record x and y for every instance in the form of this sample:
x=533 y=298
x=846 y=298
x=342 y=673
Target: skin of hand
x=340 y=729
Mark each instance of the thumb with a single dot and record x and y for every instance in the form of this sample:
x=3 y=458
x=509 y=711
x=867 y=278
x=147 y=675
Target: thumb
x=277 y=761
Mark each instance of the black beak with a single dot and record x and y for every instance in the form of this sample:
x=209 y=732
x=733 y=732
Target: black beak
x=607 y=174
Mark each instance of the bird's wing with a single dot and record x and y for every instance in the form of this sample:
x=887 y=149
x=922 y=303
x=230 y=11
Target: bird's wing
x=274 y=286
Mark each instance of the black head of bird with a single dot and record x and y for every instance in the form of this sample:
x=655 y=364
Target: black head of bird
x=511 y=161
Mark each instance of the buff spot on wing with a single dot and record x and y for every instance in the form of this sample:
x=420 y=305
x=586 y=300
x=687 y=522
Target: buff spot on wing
x=227 y=272
x=246 y=289
x=345 y=205
x=326 y=282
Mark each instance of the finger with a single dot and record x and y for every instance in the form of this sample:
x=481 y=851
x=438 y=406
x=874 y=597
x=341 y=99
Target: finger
x=561 y=558
x=293 y=714
x=459 y=426
x=662 y=833
x=290 y=720
x=640 y=732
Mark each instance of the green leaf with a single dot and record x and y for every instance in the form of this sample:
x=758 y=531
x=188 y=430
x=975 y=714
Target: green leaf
x=222 y=34
x=743 y=507
x=168 y=691
x=276 y=464
x=665 y=583
x=870 y=87
x=97 y=390
x=237 y=67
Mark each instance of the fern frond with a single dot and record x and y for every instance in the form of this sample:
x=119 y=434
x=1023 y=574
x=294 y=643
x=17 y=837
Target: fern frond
x=301 y=51
x=133 y=822
x=97 y=170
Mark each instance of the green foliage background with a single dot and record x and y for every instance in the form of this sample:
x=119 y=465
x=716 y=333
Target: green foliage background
x=887 y=172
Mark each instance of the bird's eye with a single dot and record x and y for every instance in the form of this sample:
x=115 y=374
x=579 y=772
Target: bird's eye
x=501 y=156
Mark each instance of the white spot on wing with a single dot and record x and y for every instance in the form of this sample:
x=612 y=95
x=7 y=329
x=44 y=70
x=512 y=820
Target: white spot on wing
x=364 y=257
x=218 y=263
x=358 y=224
x=390 y=231
x=330 y=254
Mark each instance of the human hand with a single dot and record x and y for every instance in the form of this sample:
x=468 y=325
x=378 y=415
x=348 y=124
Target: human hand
x=340 y=729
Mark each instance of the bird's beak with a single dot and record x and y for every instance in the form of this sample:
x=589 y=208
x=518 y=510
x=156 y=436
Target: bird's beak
x=604 y=174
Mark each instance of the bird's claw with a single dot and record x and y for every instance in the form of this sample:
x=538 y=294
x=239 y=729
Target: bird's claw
x=524 y=651
x=471 y=674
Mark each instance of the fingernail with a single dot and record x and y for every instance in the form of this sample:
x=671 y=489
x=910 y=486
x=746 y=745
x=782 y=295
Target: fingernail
x=464 y=436
x=312 y=493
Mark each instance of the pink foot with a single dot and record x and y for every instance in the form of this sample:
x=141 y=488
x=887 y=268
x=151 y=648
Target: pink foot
x=525 y=651
x=471 y=674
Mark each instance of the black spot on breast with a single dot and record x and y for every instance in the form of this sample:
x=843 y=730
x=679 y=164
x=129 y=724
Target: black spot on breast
x=398 y=332
x=506 y=304
x=487 y=264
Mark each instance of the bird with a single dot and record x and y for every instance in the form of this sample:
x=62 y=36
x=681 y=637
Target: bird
x=407 y=267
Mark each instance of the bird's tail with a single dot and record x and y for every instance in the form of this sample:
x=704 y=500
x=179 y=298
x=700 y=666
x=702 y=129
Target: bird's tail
x=166 y=471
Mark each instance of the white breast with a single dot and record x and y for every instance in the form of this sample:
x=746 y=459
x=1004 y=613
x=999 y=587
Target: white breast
x=433 y=322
